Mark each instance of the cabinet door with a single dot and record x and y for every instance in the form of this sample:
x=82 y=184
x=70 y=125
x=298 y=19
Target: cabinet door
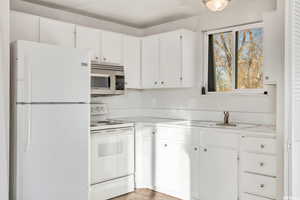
x=150 y=62
x=24 y=27
x=112 y=48
x=88 y=38
x=172 y=169
x=170 y=59
x=144 y=159
x=57 y=32
x=218 y=174
x=195 y=174
x=132 y=62
x=189 y=44
x=273 y=36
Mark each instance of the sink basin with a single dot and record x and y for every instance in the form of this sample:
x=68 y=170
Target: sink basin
x=214 y=124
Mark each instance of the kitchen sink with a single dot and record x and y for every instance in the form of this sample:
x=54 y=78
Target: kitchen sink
x=211 y=124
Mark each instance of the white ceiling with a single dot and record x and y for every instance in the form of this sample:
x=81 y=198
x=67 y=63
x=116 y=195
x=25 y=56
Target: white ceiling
x=137 y=13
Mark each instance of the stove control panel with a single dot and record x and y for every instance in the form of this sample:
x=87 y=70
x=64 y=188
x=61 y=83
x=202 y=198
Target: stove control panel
x=99 y=109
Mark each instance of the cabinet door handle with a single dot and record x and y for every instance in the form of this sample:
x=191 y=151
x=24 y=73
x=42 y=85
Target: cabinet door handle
x=153 y=132
x=155 y=83
x=267 y=77
x=196 y=149
x=165 y=145
x=262 y=185
x=261 y=164
x=162 y=82
x=262 y=146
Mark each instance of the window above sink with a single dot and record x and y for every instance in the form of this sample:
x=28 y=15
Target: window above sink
x=234 y=59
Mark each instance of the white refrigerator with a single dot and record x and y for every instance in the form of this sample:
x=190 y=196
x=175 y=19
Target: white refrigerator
x=50 y=124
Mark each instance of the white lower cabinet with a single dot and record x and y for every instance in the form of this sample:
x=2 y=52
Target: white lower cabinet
x=197 y=164
x=144 y=156
x=173 y=169
x=258 y=171
x=218 y=168
x=259 y=185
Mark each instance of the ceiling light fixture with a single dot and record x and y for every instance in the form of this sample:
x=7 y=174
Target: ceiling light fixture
x=216 y=5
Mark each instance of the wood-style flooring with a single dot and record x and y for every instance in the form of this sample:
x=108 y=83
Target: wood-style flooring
x=145 y=194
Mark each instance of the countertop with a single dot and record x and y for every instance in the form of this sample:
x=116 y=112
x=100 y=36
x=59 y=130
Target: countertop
x=246 y=128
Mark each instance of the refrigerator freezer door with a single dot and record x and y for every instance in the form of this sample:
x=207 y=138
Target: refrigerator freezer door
x=53 y=152
x=47 y=73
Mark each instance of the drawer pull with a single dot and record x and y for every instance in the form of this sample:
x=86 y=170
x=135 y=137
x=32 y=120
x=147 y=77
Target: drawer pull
x=262 y=146
x=262 y=185
x=261 y=164
x=165 y=145
x=196 y=149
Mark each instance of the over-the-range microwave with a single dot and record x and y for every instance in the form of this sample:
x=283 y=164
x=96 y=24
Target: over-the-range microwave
x=107 y=80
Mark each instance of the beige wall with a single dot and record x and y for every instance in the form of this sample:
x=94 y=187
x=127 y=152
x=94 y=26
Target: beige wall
x=4 y=97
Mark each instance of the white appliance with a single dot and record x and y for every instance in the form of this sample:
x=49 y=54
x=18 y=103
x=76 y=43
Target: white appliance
x=112 y=156
x=107 y=80
x=50 y=140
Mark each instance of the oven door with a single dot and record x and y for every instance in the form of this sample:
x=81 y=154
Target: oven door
x=112 y=154
x=102 y=84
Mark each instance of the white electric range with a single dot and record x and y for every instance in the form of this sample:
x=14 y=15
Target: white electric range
x=112 y=155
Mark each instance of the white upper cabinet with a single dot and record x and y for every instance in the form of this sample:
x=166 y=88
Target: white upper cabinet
x=168 y=60
x=273 y=45
x=132 y=62
x=57 y=32
x=24 y=27
x=150 y=62
x=189 y=43
x=89 y=38
x=111 y=48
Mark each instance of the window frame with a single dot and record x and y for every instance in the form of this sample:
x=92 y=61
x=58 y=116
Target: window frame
x=232 y=29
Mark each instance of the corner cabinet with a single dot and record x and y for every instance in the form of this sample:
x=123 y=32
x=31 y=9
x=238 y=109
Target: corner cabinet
x=57 y=32
x=150 y=62
x=168 y=60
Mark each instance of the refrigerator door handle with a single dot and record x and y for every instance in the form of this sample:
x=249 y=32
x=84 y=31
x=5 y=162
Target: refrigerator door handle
x=28 y=139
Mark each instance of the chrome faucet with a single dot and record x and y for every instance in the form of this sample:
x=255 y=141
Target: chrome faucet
x=226 y=120
x=226 y=117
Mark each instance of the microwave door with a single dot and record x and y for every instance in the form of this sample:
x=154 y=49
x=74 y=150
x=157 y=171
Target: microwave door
x=102 y=84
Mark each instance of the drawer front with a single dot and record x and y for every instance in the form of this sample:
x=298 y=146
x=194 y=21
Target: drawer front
x=258 y=185
x=260 y=145
x=262 y=164
x=111 y=189
x=252 y=197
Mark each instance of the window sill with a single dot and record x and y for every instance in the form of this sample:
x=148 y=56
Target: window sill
x=258 y=92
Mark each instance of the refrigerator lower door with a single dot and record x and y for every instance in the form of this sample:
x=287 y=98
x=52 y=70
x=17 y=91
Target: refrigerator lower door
x=53 y=152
